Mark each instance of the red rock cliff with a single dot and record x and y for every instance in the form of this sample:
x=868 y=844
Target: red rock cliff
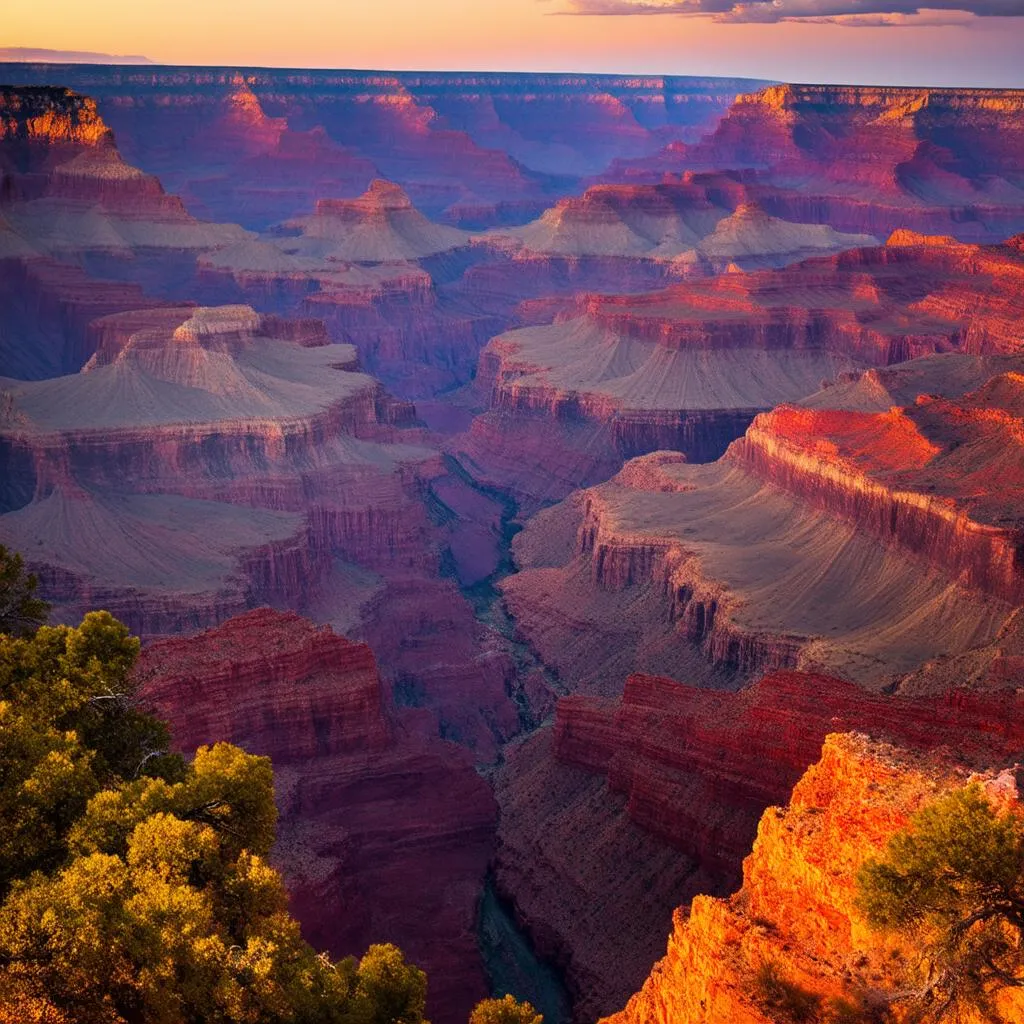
x=795 y=908
x=385 y=831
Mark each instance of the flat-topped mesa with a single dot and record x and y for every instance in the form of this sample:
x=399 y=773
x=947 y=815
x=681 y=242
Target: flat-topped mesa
x=943 y=478
x=698 y=767
x=385 y=831
x=796 y=908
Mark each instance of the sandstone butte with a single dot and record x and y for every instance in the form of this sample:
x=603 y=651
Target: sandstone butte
x=385 y=831
x=638 y=803
x=796 y=906
x=688 y=367
x=866 y=159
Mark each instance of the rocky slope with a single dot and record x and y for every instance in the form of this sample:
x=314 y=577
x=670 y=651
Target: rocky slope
x=209 y=459
x=688 y=367
x=385 y=831
x=795 y=909
x=482 y=147
x=667 y=783
x=864 y=158
x=865 y=544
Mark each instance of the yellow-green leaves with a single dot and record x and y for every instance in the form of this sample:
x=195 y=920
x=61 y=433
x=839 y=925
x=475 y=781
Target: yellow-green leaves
x=134 y=885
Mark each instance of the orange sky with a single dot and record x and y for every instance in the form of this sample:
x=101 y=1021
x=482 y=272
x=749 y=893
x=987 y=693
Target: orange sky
x=513 y=34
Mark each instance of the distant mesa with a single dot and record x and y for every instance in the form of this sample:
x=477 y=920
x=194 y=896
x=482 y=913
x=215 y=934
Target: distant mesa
x=699 y=225
x=38 y=55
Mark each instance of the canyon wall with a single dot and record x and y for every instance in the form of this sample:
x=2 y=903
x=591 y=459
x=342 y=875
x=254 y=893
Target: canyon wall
x=481 y=147
x=867 y=158
x=385 y=831
x=811 y=493
x=796 y=907
x=636 y=804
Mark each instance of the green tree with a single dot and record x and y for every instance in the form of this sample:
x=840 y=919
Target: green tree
x=134 y=886
x=388 y=990
x=68 y=727
x=954 y=882
x=504 y=1011
x=21 y=612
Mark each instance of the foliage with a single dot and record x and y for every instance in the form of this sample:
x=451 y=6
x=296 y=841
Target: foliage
x=504 y=1011
x=133 y=885
x=21 y=612
x=953 y=881
x=784 y=999
x=388 y=990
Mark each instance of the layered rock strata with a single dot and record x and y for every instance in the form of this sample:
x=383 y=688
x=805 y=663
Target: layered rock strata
x=209 y=459
x=796 y=907
x=869 y=159
x=865 y=544
x=385 y=831
x=689 y=366
x=667 y=782
x=484 y=148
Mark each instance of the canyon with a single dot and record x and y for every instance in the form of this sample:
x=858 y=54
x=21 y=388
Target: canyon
x=843 y=809
x=636 y=804
x=539 y=469
x=356 y=779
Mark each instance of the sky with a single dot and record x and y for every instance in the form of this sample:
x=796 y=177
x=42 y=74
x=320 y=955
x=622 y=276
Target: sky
x=954 y=42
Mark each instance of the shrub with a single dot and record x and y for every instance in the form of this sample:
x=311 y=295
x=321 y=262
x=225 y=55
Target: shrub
x=953 y=883
x=776 y=994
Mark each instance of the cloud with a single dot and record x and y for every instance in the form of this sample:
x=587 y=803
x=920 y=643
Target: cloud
x=840 y=12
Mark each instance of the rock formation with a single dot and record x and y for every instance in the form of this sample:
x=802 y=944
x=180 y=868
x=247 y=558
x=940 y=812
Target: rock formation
x=688 y=367
x=695 y=223
x=868 y=159
x=796 y=907
x=381 y=226
x=385 y=831
x=666 y=784
x=866 y=544
x=206 y=460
